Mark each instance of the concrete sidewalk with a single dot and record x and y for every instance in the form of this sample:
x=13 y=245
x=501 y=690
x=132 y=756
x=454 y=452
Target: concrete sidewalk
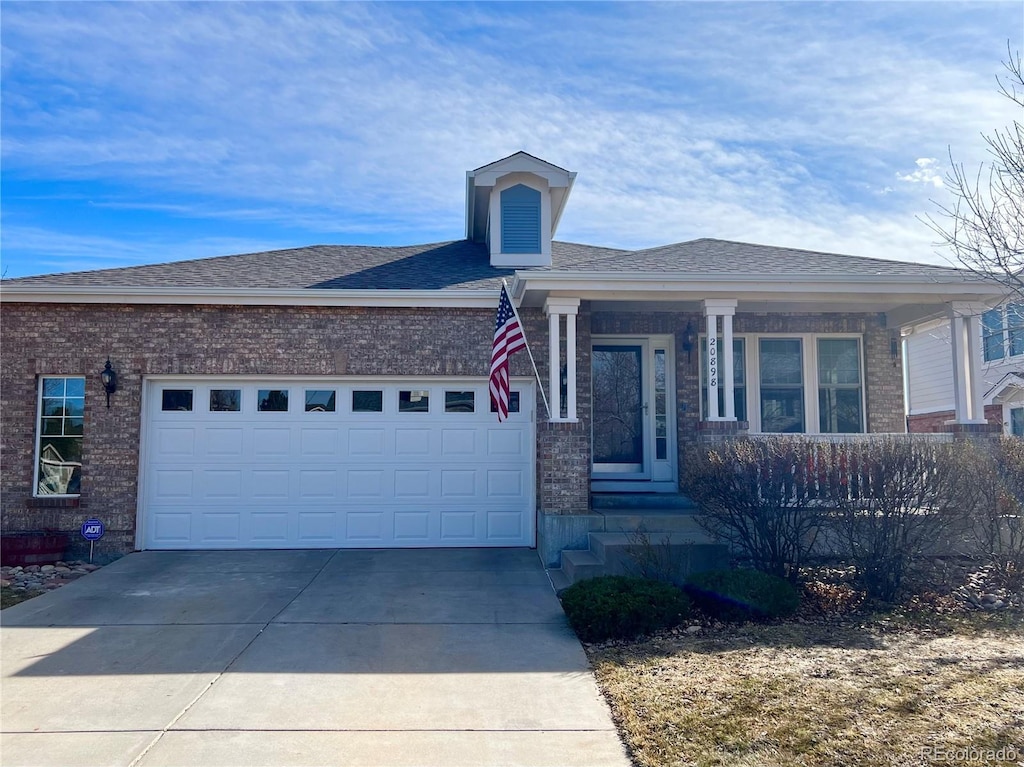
x=374 y=658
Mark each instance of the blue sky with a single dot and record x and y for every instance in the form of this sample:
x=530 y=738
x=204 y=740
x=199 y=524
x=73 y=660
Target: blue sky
x=145 y=132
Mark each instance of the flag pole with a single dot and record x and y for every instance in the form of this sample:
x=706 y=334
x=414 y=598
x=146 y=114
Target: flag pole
x=522 y=327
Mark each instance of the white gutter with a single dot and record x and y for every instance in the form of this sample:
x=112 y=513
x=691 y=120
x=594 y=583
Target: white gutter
x=588 y=284
x=95 y=294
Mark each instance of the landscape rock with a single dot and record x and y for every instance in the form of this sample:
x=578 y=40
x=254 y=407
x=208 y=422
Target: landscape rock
x=45 y=578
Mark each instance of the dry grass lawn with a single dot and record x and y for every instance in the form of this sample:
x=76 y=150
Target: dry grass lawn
x=824 y=693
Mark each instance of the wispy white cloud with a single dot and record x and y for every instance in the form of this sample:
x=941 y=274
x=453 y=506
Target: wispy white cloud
x=770 y=122
x=928 y=172
x=51 y=251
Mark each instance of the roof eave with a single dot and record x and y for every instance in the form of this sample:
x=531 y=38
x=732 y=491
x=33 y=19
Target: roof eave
x=794 y=287
x=78 y=294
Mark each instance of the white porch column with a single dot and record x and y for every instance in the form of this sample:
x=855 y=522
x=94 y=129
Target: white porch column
x=959 y=348
x=975 y=387
x=554 y=365
x=712 y=342
x=555 y=307
x=720 y=360
x=570 y=356
x=727 y=368
x=965 y=345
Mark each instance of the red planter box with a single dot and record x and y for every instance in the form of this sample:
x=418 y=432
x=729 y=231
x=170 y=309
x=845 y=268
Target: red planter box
x=33 y=548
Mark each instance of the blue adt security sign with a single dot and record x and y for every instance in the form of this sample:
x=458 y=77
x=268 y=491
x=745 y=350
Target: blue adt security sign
x=92 y=529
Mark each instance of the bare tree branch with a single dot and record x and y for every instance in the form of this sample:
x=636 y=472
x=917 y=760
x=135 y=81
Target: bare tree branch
x=984 y=224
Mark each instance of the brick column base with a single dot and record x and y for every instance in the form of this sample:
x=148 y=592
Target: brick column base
x=978 y=431
x=710 y=431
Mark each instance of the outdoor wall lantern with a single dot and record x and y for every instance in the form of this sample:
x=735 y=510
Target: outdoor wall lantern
x=689 y=340
x=894 y=347
x=109 y=379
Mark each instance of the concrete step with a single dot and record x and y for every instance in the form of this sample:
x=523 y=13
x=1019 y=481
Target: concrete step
x=670 y=555
x=638 y=501
x=602 y=544
x=655 y=523
x=580 y=564
x=621 y=554
x=559 y=580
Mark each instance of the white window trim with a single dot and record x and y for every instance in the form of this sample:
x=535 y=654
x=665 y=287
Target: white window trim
x=1008 y=418
x=809 y=342
x=39 y=437
x=1004 y=320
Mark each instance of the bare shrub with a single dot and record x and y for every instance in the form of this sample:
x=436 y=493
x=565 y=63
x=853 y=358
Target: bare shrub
x=656 y=560
x=996 y=527
x=766 y=497
x=899 y=498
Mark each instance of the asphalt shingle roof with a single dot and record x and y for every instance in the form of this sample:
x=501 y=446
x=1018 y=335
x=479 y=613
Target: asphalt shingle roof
x=463 y=264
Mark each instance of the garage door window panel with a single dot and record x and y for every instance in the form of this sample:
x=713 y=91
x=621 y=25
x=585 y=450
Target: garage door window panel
x=321 y=400
x=225 y=400
x=459 y=402
x=272 y=400
x=176 y=400
x=367 y=401
x=513 y=403
x=413 y=401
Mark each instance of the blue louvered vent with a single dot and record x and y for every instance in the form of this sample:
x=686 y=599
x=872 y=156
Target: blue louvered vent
x=520 y=220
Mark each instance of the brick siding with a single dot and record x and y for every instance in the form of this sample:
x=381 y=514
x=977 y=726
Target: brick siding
x=882 y=375
x=936 y=421
x=62 y=339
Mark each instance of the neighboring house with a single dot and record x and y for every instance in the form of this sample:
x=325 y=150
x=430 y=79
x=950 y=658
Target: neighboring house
x=337 y=396
x=931 y=401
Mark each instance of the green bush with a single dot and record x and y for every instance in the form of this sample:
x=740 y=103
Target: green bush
x=738 y=595
x=618 y=607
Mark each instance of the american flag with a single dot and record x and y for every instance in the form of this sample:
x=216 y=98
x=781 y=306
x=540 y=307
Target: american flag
x=508 y=338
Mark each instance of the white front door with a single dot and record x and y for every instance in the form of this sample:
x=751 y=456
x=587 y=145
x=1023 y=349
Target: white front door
x=311 y=463
x=633 y=409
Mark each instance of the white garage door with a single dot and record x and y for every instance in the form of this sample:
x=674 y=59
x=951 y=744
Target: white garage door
x=286 y=463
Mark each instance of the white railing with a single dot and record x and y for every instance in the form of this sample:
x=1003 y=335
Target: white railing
x=865 y=438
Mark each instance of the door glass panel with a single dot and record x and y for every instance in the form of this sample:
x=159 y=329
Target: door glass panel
x=618 y=413
x=660 y=411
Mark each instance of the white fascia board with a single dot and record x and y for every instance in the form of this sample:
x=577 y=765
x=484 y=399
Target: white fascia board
x=467 y=299
x=556 y=212
x=470 y=195
x=491 y=178
x=928 y=326
x=593 y=284
x=1007 y=381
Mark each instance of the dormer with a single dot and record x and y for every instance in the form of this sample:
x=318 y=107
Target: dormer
x=514 y=205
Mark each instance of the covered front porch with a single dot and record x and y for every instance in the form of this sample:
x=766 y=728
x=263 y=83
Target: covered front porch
x=639 y=369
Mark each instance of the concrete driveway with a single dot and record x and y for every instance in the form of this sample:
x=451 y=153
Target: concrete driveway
x=399 y=657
